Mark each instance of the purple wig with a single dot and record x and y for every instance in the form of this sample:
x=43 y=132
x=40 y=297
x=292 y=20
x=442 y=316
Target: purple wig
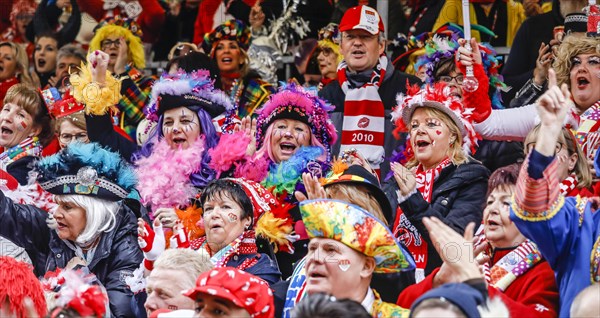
x=204 y=175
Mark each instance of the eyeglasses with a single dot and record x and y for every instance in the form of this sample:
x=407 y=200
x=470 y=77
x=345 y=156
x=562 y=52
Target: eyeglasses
x=107 y=43
x=326 y=51
x=447 y=78
x=67 y=138
x=529 y=147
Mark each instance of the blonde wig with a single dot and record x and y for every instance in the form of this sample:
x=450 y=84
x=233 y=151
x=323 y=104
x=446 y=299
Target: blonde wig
x=134 y=43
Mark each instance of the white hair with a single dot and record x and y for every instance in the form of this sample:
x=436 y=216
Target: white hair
x=100 y=215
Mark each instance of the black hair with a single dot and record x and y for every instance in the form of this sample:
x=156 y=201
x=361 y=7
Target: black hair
x=223 y=187
x=194 y=61
x=50 y=34
x=326 y=306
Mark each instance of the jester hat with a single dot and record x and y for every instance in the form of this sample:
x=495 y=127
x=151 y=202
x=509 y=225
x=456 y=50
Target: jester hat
x=359 y=230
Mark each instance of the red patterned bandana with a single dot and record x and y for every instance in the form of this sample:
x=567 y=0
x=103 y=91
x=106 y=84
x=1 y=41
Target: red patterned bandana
x=425 y=178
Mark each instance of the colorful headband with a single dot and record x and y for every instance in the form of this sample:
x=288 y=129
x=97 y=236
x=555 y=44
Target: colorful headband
x=233 y=30
x=293 y=102
x=193 y=89
x=86 y=169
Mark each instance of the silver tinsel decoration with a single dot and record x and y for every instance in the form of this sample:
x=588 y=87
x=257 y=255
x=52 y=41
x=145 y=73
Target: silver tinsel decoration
x=285 y=33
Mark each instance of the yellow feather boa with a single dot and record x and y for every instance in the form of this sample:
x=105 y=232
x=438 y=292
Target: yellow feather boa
x=98 y=99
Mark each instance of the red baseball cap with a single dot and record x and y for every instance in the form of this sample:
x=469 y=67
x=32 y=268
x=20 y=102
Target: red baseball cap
x=362 y=17
x=242 y=289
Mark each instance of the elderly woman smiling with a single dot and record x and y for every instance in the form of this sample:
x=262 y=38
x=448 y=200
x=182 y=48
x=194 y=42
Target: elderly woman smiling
x=440 y=179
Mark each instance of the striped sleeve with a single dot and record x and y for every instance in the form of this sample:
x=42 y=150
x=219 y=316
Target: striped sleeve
x=537 y=199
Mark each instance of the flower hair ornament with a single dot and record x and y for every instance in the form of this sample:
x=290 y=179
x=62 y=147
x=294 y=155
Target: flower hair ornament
x=293 y=102
x=195 y=89
x=436 y=96
x=75 y=291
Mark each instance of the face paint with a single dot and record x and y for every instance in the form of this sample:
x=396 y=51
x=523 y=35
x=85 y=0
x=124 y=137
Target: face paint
x=344 y=264
x=232 y=217
x=301 y=137
x=22 y=125
x=438 y=132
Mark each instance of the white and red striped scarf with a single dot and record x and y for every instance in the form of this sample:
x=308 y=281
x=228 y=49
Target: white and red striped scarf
x=567 y=185
x=425 y=178
x=364 y=115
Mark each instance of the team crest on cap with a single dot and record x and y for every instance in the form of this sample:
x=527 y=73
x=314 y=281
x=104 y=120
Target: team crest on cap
x=370 y=16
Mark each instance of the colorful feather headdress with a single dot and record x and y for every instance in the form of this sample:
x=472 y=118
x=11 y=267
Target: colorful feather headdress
x=293 y=102
x=443 y=45
x=86 y=169
x=437 y=96
x=189 y=90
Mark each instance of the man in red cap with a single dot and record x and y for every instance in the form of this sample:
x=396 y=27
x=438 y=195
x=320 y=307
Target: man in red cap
x=364 y=93
x=230 y=292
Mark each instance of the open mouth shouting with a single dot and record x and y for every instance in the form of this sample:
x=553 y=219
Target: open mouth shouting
x=582 y=82
x=287 y=148
x=421 y=145
x=358 y=53
x=492 y=224
x=41 y=62
x=6 y=132
x=179 y=140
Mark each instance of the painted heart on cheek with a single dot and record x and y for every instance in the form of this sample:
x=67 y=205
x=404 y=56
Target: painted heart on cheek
x=438 y=132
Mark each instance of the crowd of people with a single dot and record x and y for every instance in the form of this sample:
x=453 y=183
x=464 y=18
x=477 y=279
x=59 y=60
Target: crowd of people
x=417 y=175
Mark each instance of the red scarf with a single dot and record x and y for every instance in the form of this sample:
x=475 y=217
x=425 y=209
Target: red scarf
x=364 y=114
x=408 y=233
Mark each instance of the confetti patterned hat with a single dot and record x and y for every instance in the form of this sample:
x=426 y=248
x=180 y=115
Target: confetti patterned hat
x=359 y=230
x=242 y=289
